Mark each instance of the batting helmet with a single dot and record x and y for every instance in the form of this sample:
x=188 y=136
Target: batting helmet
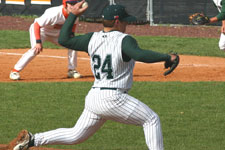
x=69 y=1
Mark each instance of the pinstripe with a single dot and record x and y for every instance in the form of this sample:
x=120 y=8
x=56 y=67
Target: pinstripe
x=103 y=44
x=117 y=106
x=108 y=104
x=87 y=125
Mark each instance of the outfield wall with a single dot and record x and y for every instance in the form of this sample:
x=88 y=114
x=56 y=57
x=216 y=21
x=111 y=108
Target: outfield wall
x=160 y=12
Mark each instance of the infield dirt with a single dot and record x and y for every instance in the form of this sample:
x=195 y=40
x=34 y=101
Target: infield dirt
x=51 y=66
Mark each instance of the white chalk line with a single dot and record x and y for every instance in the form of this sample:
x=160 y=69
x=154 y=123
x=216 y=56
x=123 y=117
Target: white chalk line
x=83 y=58
x=47 y=56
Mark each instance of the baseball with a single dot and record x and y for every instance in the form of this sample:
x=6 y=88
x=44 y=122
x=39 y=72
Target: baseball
x=85 y=4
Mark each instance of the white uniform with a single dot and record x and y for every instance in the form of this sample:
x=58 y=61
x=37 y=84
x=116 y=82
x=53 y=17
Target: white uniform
x=222 y=36
x=50 y=22
x=108 y=98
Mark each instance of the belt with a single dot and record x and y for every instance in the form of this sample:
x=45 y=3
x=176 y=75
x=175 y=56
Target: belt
x=108 y=88
x=105 y=88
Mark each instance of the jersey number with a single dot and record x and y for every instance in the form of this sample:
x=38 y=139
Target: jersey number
x=106 y=67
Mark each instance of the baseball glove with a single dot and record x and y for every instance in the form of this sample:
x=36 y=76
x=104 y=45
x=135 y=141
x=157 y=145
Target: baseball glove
x=171 y=65
x=198 y=19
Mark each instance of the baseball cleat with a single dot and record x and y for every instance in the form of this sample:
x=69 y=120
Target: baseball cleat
x=14 y=75
x=24 y=140
x=74 y=74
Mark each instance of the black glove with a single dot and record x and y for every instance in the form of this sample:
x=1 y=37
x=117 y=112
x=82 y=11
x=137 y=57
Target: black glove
x=171 y=64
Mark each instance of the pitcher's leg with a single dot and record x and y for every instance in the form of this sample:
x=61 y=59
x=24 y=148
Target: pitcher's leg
x=86 y=126
x=153 y=134
x=151 y=125
x=138 y=113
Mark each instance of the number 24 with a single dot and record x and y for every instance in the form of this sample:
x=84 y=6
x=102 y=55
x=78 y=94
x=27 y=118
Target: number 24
x=106 y=67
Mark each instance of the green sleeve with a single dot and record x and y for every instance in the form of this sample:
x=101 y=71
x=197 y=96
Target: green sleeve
x=79 y=43
x=221 y=15
x=130 y=49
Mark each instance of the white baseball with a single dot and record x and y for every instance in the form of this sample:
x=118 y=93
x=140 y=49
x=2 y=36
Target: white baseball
x=84 y=4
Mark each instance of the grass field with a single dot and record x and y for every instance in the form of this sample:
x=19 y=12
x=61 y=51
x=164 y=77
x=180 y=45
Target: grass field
x=187 y=46
x=192 y=114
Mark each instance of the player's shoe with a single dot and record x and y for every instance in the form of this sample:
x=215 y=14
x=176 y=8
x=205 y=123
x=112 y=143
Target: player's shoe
x=73 y=74
x=14 y=75
x=24 y=140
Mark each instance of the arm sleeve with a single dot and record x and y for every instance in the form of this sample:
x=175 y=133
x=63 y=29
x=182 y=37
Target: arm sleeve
x=37 y=31
x=79 y=43
x=221 y=15
x=130 y=49
x=75 y=25
x=74 y=28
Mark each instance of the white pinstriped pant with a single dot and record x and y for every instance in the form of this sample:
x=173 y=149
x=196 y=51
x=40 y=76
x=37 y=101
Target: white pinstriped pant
x=30 y=54
x=103 y=105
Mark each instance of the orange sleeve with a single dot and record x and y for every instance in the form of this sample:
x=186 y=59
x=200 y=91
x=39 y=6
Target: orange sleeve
x=74 y=28
x=37 y=31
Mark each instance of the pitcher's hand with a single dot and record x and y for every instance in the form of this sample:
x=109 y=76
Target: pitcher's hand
x=77 y=9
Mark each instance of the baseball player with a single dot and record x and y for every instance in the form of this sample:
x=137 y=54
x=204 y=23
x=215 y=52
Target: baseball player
x=113 y=54
x=47 y=28
x=220 y=4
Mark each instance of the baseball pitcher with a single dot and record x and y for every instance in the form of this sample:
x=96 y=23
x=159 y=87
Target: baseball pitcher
x=112 y=57
x=47 y=28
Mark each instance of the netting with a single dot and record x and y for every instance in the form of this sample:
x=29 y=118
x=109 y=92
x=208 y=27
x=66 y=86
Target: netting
x=164 y=11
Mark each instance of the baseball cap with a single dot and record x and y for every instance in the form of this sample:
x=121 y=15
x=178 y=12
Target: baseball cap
x=112 y=12
x=70 y=1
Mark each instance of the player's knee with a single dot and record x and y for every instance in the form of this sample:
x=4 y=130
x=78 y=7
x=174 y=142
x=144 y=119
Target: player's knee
x=32 y=52
x=76 y=138
x=154 y=120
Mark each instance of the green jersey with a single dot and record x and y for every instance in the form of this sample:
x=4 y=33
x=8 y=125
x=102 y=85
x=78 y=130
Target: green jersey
x=129 y=47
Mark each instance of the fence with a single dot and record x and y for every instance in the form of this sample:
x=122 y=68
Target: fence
x=147 y=11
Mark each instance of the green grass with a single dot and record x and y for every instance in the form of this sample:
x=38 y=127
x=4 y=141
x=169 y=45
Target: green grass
x=192 y=114
x=18 y=39
x=32 y=17
x=187 y=46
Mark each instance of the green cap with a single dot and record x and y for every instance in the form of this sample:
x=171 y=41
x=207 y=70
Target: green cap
x=113 y=12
